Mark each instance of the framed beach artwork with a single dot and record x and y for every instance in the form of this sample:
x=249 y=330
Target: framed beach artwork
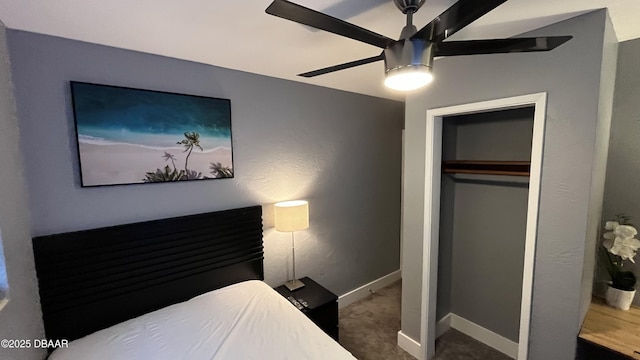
x=131 y=136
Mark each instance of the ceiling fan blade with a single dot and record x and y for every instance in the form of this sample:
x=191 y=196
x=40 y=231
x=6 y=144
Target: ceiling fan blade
x=342 y=66
x=459 y=15
x=497 y=46
x=300 y=14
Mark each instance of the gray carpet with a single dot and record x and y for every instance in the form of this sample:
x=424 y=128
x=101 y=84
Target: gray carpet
x=369 y=328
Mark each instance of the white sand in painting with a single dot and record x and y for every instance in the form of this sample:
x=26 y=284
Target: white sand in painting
x=124 y=164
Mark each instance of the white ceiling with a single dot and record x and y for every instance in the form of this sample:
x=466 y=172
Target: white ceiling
x=240 y=35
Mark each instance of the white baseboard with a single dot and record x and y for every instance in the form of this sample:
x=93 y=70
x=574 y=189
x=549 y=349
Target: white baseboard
x=451 y=320
x=443 y=325
x=409 y=345
x=365 y=290
x=488 y=337
x=466 y=327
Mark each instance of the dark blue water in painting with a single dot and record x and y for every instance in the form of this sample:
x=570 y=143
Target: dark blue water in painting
x=107 y=114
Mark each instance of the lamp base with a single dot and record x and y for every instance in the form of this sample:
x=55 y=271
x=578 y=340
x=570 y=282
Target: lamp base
x=294 y=285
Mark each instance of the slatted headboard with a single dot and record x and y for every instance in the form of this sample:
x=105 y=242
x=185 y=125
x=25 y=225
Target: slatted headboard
x=92 y=279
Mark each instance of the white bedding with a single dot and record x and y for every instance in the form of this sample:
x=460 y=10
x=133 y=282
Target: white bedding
x=248 y=320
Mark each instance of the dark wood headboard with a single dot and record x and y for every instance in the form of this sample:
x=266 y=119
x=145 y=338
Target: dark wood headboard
x=93 y=279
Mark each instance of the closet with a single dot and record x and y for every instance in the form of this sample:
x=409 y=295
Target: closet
x=483 y=217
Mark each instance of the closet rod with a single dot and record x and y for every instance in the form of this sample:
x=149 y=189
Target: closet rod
x=487 y=167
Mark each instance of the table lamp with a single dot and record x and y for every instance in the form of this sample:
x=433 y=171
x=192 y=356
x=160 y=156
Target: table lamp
x=291 y=216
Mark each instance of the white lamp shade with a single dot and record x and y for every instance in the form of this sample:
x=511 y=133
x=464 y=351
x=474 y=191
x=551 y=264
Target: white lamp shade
x=292 y=215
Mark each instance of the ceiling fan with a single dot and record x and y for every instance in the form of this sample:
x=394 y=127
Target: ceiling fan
x=409 y=60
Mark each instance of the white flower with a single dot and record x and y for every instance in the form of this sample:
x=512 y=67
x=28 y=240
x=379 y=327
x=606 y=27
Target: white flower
x=625 y=253
x=608 y=244
x=631 y=243
x=611 y=225
x=625 y=231
x=620 y=240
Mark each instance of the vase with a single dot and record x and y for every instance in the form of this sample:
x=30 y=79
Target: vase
x=620 y=299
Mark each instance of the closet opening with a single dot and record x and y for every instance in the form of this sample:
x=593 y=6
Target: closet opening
x=483 y=166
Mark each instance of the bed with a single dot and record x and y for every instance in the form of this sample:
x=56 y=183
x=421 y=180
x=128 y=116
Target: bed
x=181 y=288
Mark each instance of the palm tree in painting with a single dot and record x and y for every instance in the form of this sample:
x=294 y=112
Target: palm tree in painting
x=168 y=157
x=219 y=171
x=190 y=140
x=162 y=175
x=191 y=175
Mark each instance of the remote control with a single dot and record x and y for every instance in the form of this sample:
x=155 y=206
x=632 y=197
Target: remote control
x=303 y=303
x=295 y=302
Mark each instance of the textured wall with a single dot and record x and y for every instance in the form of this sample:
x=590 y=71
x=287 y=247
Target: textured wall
x=598 y=174
x=622 y=190
x=484 y=231
x=339 y=150
x=21 y=317
x=571 y=77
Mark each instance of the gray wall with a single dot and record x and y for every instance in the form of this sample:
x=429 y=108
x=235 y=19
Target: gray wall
x=21 y=317
x=598 y=174
x=495 y=135
x=339 y=150
x=622 y=191
x=571 y=77
x=484 y=222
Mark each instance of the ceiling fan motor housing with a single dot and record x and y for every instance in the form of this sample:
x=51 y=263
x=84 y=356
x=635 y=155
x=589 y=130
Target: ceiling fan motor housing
x=408 y=5
x=409 y=54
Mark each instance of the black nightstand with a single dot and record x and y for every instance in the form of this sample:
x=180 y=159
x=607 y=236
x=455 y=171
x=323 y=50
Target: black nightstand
x=322 y=305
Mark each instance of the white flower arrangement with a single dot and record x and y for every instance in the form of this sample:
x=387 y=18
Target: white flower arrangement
x=620 y=241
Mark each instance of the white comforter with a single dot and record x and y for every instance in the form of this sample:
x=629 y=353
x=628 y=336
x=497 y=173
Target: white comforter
x=248 y=320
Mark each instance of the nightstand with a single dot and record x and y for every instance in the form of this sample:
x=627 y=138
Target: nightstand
x=322 y=305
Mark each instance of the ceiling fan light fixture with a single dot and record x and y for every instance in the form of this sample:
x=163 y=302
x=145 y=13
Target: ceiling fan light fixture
x=408 y=64
x=408 y=78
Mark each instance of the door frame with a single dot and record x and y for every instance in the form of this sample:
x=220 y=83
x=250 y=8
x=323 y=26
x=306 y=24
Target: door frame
x=430 y=236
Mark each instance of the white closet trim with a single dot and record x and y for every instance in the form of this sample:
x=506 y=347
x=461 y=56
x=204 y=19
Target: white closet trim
x=433 y=155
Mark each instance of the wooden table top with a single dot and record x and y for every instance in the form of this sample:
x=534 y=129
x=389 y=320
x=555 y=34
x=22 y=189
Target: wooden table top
x=615 y=329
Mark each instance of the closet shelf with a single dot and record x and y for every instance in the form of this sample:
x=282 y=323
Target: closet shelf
x=488 y=167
